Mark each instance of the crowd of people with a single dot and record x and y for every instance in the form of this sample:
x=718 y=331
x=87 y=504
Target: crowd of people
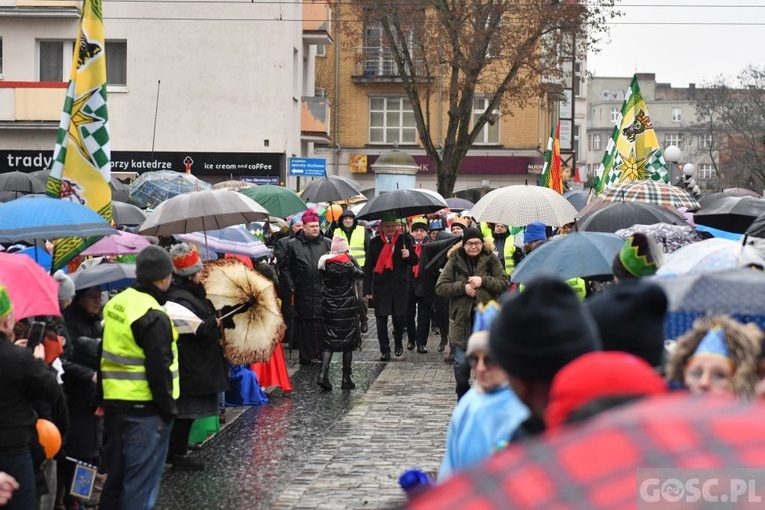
x=123 y=386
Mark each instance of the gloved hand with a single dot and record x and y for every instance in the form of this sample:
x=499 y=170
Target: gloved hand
x=228 y=322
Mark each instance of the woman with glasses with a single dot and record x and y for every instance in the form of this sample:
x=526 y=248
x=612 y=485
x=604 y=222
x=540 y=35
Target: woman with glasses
x=473 y=275
x=83 y=317
x=488 y=413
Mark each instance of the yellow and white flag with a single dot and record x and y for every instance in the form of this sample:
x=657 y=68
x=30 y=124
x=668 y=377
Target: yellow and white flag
x=81 y=167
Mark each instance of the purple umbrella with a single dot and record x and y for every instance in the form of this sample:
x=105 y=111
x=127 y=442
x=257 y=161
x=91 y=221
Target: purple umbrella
x=123 y=244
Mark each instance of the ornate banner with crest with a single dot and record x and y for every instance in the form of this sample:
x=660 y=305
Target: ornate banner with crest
x=81 y=166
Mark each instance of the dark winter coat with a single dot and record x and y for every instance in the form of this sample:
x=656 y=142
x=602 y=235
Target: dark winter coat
x=451 y=285
x=432 y=260
x=81 y=323
x=302 y=276
x=202 y=366
x=390 y=290
x=23 y=380
x=341 y=326
x=85 y=436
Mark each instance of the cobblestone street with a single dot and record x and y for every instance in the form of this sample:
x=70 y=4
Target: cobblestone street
x=327 y=450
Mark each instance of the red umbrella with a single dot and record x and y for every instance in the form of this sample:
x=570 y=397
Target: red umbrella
x=595 y=465
x=32 y=290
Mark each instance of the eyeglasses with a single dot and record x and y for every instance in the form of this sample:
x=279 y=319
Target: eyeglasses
x=474 y=243
x=488 y=361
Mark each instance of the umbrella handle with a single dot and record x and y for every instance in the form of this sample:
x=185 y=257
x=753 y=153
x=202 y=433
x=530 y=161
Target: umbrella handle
x=232 y=312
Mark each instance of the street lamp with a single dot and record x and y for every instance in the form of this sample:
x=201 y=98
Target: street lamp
x=672 y=155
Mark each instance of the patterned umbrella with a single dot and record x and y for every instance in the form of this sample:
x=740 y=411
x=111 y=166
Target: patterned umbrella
x=260 y=327
x=650 y=192
x=237 y=240
x=672 y=237
x=710 y=255
x=520 y=205
x=152 y=188
x=277 y=200
x=332 y=188
x=579 y=254
x=597 y=464
x=619 y=215
x=200 y=211
x=733 y=214
x=736 y=292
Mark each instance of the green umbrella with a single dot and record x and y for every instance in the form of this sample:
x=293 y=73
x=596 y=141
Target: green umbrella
x=278 y=201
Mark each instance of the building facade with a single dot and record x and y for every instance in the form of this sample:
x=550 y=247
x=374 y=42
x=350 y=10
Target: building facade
x=224 y=90
x=372 y=115
x=673 y=115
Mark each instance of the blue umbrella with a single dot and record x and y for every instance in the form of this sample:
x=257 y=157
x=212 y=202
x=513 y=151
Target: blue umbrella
x=43 y=217
x=41 y=256
x=739 y=293
x=575 y=255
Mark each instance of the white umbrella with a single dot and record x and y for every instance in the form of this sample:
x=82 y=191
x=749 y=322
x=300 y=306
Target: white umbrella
x=522 y=204
x=200 y=211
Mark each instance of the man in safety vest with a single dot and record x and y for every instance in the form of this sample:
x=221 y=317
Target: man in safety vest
x=504 y=244
x=139 y=380
x=358 y=239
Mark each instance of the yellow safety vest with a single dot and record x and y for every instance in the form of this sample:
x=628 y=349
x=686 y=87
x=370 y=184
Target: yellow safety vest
x=123 y=369
x=576 y=284
x=357 y=244
x=509 y=251
x=488 y=235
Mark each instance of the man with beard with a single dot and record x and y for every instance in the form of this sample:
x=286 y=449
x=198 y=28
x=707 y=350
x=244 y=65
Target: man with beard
x=303 y=279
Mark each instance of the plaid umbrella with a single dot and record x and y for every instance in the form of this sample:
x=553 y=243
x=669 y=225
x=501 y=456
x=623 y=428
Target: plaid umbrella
x=650 y=192
x=152 y=188
x=595 y=466
x=739 y=293
x=521 y=204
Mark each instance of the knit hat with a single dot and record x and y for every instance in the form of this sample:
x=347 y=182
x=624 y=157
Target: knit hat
x=640 y=256
x=339 y=244
x=186 y=261
x=296 y=218
x=541 y=329
x=630 y=318
x=5 y=302
x=471 y=233
x=478 y=342
x=153 y=263
x=599 y=375
x=65 y=286
x=536 y=231
x=310 y=217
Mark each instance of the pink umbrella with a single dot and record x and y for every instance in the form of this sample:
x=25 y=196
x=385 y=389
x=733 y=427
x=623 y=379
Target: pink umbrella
x=32 y=290
x=123 y=244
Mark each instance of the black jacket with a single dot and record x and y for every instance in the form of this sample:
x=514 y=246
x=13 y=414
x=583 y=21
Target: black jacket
x=203 y=368
x=342 y=330
x=153 y=334
x=390 y=290
x=23 y=380
x=301 y=273
x=80 y=323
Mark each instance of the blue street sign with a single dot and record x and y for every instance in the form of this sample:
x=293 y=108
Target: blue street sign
x=308 y=167
x=257 y=179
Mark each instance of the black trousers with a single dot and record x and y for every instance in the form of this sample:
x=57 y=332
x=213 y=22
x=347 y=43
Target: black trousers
x=309 y=333
x=418 y=320
x=179 y=437
x=399 y=323
x=441 y=317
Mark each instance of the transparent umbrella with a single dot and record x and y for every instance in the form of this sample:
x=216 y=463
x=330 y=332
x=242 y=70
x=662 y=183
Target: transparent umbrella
x=152 y=188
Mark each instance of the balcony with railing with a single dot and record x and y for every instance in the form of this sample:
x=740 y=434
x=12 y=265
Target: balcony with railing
x=40 y=8
x=317 y=22
x=376 y=63
x=314 y=119
x=32 y=102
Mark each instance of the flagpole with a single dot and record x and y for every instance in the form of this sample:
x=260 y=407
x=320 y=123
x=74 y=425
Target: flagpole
x=154 y=132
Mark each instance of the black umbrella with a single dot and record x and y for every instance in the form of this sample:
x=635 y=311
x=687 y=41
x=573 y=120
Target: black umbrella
x=577 y=197
x=459 y=204
x=120 y=190
x=403 y=203
x=332 y=188
x=707 y=200
x=757 y=228
x=127 y=214
x=621 y=215
x=733 y=214
x=21 y=183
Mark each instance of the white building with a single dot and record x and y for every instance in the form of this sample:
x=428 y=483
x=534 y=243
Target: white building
x=223 y=87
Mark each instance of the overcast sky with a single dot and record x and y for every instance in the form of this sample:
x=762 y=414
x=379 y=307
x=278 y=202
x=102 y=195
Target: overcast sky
x=681 y=52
